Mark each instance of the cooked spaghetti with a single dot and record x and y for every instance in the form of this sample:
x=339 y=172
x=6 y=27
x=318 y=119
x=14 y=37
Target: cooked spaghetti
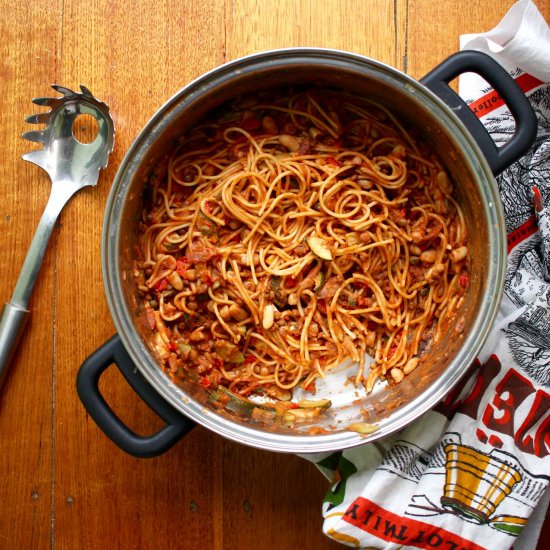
x=294 y=231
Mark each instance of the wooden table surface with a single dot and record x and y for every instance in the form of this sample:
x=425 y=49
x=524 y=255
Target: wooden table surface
x=63 y=483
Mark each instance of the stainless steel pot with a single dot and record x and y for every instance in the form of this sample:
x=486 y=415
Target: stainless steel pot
x=468 y=153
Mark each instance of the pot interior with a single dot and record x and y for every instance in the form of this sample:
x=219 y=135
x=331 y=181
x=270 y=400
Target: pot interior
x=388 y=408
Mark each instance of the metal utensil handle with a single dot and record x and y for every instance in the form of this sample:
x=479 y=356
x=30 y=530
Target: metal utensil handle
x=15 y=313
x=113 y=352
x=438 y=80
x=12 y=324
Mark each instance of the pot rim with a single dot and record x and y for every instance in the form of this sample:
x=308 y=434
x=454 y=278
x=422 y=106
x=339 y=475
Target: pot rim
x=143 y=359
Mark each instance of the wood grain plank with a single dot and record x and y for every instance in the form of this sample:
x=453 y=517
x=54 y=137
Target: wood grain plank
x=401 y=34
x=437 y=26
x=25 y=403
x=272 y=497
x=367 y=28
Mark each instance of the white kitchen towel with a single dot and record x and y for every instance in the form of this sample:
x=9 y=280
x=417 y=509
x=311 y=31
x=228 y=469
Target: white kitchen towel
x=471 y=473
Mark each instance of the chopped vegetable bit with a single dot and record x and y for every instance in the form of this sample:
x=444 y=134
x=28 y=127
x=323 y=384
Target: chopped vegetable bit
x=319 y=247
x=362 y=428
x=285 y=412
x=319 y=281
x=309 y=403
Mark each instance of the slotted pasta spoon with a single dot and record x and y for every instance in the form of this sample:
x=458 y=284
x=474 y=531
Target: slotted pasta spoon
x=71 y=166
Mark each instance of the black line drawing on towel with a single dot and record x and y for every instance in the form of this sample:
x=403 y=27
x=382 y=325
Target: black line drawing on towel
x=529 y=340
x=532 y=169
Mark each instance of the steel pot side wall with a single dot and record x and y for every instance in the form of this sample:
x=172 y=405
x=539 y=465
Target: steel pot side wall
x=413 y=104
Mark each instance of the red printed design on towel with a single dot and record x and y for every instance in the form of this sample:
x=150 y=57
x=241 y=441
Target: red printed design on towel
x=515 y=408
x=522 y=232
x=491 y=101
x=531 y=430
x=385 y=525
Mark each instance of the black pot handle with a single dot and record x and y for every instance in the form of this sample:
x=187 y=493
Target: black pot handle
x=466 y=61
x=87 y=385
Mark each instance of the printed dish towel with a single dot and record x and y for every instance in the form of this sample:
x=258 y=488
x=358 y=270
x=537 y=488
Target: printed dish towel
x=473 y=473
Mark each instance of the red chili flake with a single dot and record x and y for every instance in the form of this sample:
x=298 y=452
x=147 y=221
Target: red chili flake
x=249 y=359
x=161 y=285
x=332 y=161
x=205 y=381
x=172 y=346
x=464 y=280
x=321 y=304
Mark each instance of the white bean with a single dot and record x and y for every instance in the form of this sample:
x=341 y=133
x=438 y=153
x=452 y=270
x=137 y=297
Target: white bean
x=268 y=316
x=290 y=142
x=459 y=254
x=397 y=374
x=410 y=365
